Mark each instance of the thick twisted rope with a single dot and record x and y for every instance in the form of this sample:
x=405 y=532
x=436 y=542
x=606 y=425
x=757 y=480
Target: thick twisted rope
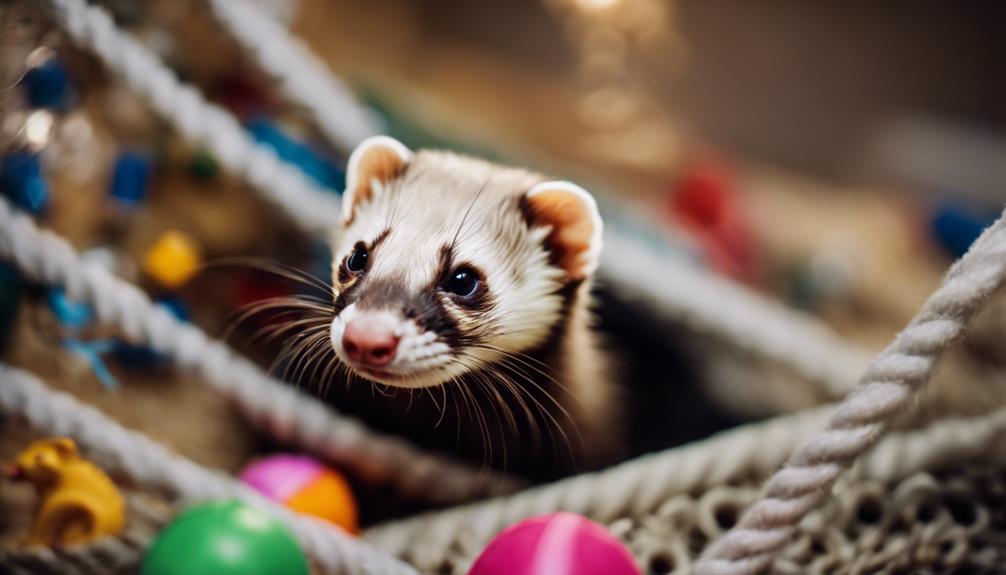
x=895 y=378
x=147 y=462
x=196 y=119
x=107 y=556
x=678 y=291
x=301 y=76
x=289 y=414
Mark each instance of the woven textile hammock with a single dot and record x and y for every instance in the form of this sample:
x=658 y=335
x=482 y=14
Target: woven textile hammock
x=912 y=501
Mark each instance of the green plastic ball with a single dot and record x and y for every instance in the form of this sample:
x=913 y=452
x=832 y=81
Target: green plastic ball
x=225 y=538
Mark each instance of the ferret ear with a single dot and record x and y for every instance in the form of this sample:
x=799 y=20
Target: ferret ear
x=374 y=163
x=571 y=212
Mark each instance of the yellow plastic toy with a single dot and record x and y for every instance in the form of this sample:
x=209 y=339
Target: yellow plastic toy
x=77 y=503
x=172 y=260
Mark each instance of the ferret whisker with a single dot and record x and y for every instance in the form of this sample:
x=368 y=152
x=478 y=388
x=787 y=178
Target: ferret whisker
x=483 y=385
x=532 y=421
x=440 y=408
x=317 y=349
x=483 y=378
x=300 y=345
x=550 y=424
x=546 y=412
x=527 y=360
x=281 y=306
x=270 y=333
x=283 y=357
x=476 y=414
x=321 y=361
x=332 y=366
x=295 y=367
x=274 y=267
x=443 y=403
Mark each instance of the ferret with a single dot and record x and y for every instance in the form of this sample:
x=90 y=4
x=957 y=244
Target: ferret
x=469 y=285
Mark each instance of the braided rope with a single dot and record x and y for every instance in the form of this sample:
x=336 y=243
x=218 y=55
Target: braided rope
x=143 y=460
x=196 y=119
x=301 y=76
x=289 y=414
x=897 y=376
x=107 y=556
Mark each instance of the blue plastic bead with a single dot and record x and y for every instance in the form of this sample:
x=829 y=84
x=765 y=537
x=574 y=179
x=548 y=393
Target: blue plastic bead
x=48 y=85
x=310 y=161
x=70 y=314
x=130 y=178
x=21 y=181
x=957 y=225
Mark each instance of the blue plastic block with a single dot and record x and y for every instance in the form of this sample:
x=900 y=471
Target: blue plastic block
x=130 y=178
x=48 y=85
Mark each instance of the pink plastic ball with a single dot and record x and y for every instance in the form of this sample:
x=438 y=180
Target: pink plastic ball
x=305 y=485
x=555 y=544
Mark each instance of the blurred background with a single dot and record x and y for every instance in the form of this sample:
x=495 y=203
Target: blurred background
x=832 y=156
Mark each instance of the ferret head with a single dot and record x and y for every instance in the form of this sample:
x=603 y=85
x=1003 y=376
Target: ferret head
x=42 y=462
x=445 y=265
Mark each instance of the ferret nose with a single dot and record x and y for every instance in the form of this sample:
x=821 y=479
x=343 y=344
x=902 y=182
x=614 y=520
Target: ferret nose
x=369 y=341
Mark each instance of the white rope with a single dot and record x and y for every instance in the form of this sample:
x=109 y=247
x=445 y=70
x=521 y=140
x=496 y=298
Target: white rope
x=730 y=312
x=196 y=119
x=107 y=556
x=143 y=460
x=291 y=416
x=302 y=77
x=939 y=445
x=893 y=381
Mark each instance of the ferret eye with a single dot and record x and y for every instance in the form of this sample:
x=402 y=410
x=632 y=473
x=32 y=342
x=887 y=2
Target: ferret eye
x=464 y=282
x=357 y=261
